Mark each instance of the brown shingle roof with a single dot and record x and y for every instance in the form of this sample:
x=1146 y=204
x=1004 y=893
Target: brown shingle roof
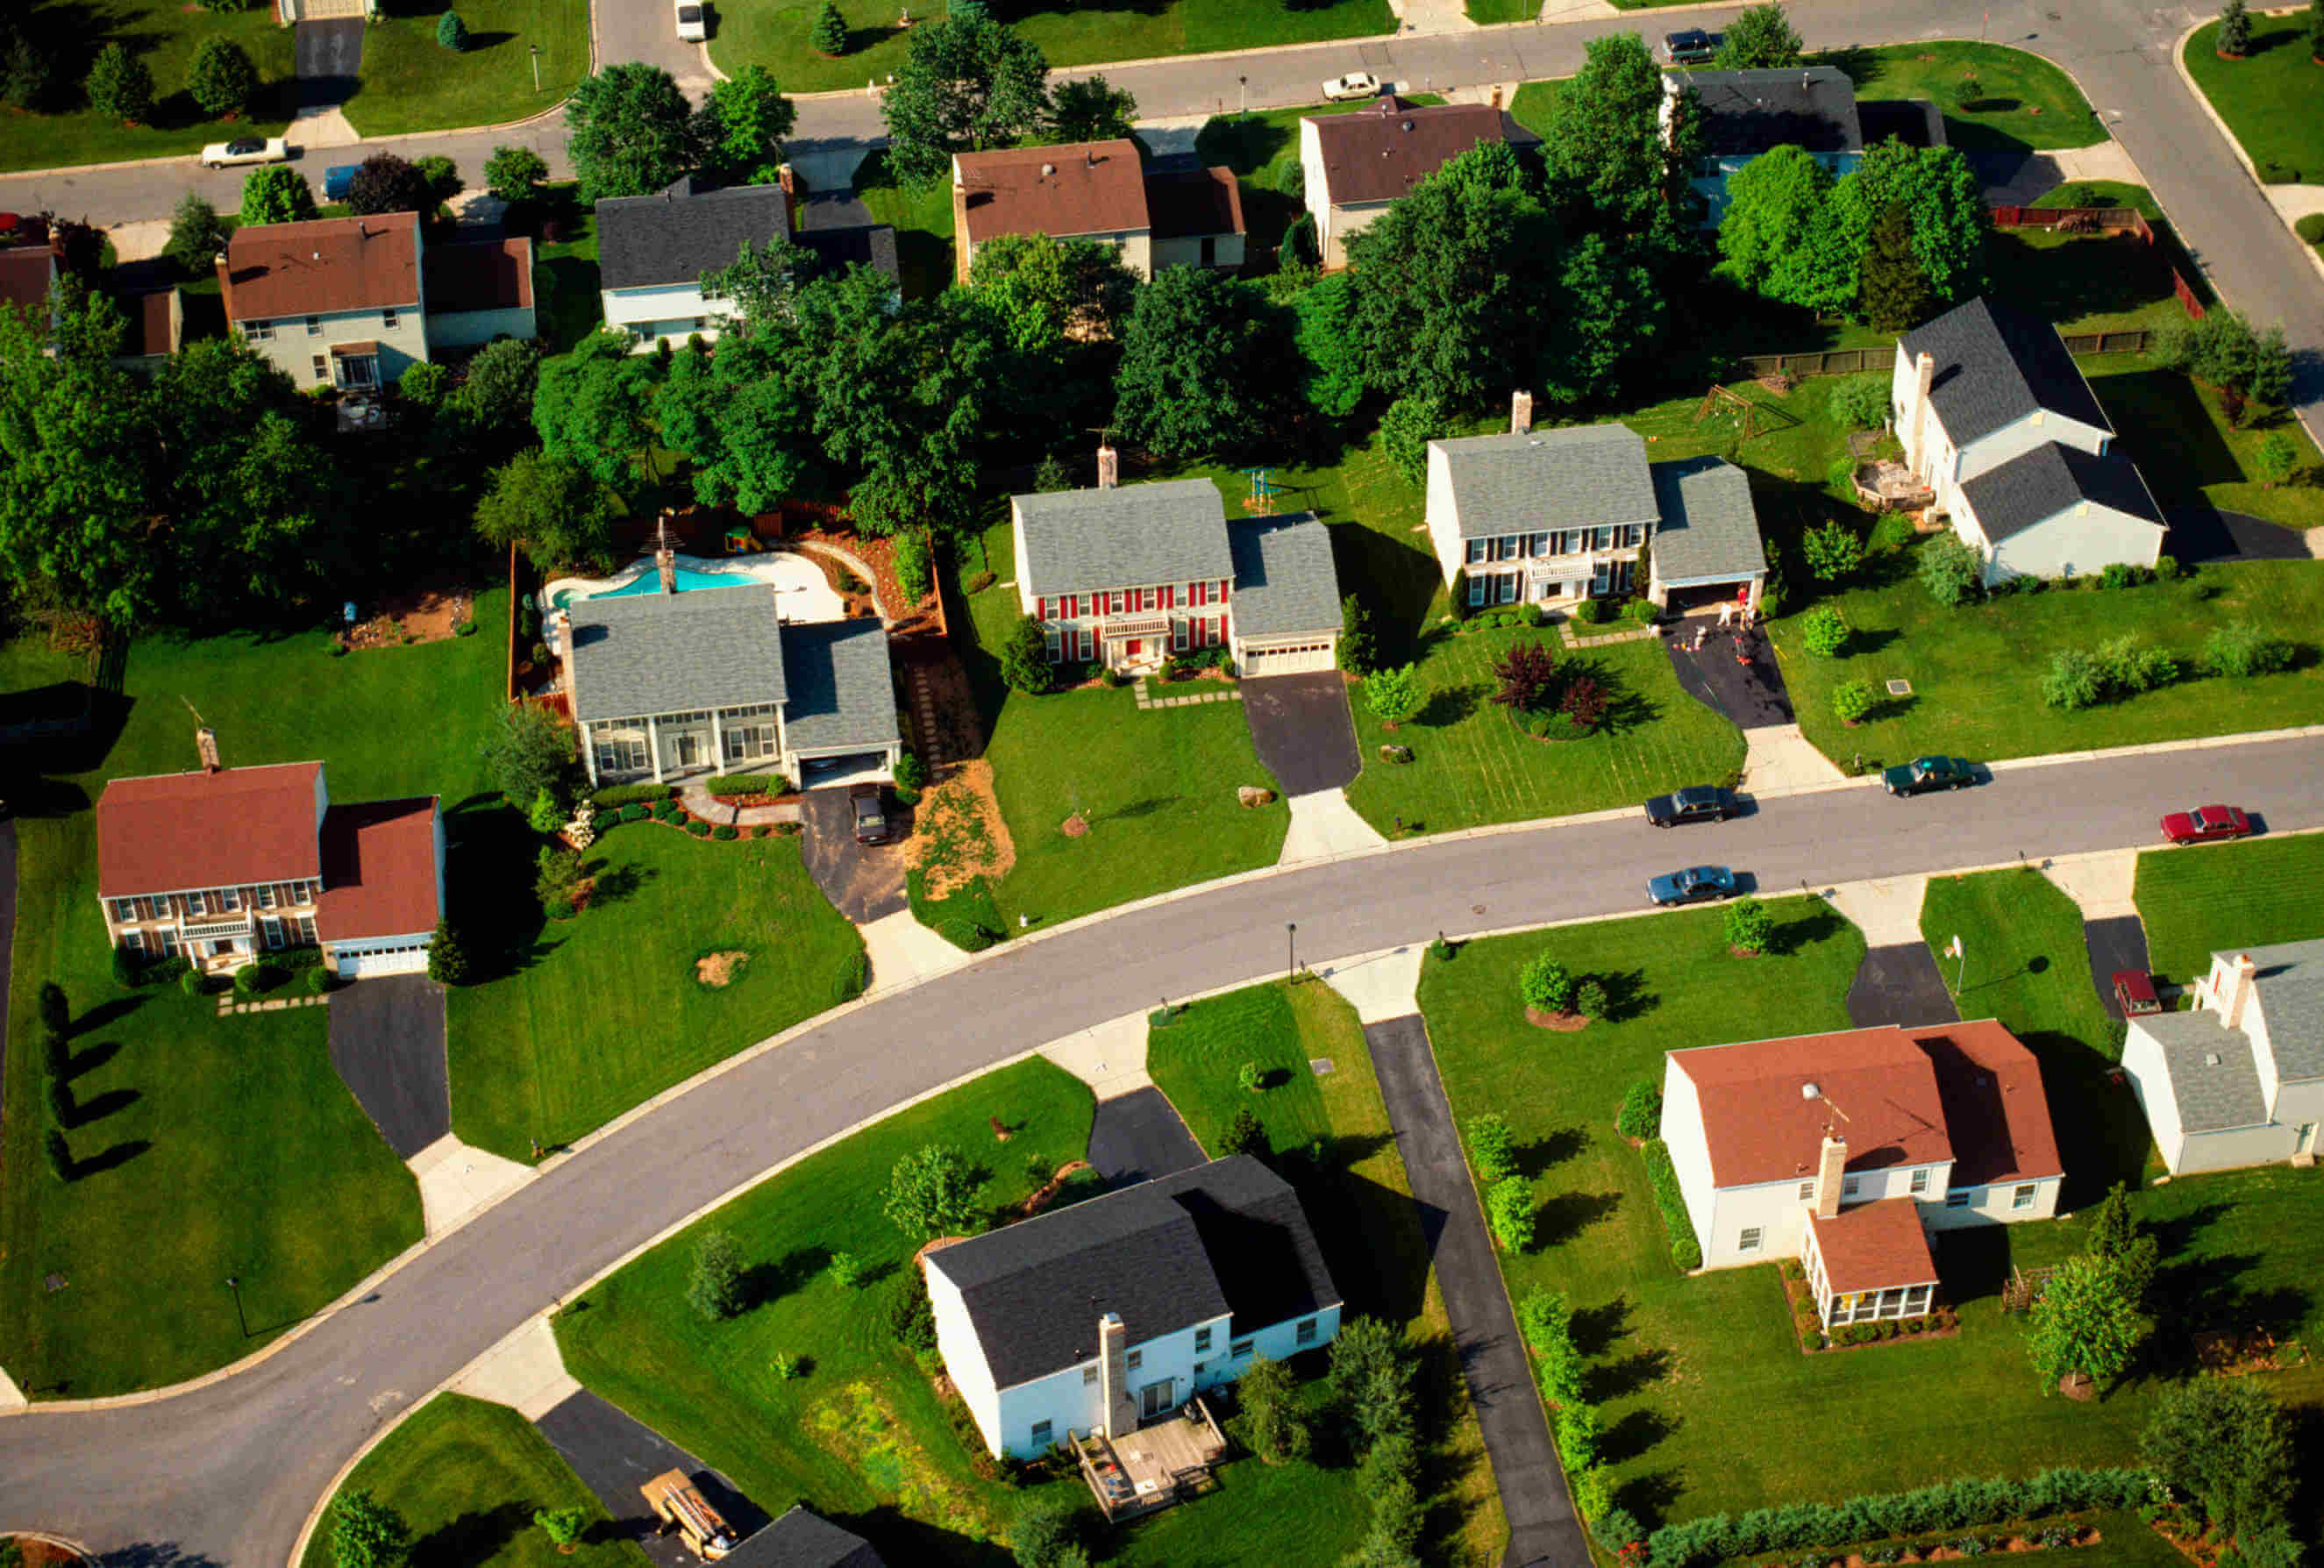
x=379 y=870
x=24 y=273
x=1996 y=1112
x=1759 y=1129
x=479 y=275
x=172 y=832
x=311 y=269
x=1378 y=154
x=1875 y=1247
x=1087 y=187
x=1186 y=204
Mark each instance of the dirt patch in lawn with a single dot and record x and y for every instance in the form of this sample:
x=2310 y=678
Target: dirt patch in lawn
x=958 y=835
x=428 y=614
x=717 y=970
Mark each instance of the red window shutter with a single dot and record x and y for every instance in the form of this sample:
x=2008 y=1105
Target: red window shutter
x=1073 y=606
x=1169 y=597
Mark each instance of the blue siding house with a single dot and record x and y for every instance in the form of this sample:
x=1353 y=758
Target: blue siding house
x=1747 y=113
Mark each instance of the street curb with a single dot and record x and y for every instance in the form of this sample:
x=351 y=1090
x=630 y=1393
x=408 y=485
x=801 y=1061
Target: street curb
x=62 y=1543
x=2227 y=132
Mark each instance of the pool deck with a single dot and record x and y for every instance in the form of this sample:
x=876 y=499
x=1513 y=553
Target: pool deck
x=804 y=593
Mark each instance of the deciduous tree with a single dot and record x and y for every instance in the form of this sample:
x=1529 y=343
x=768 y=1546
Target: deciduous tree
x=1330 y=358
x=1834 y=553
x=745 y=417
x=627 y=127
x=1091 y=109
x=1392 y=694
x=2227 y=1443
x=222 y=79
x=1370 y=1381
x=384 y=182
x=497 y=396
x=1546 y=985
x=515 y=173
x=590 y=407
x=1950 y=569
x=196 y=236
x=120 y=85
x=1042 y=290
x=1270 y=1419
x=1778 y=238
x=715 y=1287
x=2085 y=1325
x=967 y=83
x=1526 y=674
x=1943 y=203
x=1748 y=925
x=276 y=193
x=932 y=1193
x=753 y=116
x=1759 y=38
x=561 y=515
x=531 y=750
x=2223 y=350
x=365 y=1533
x=1202 y=366
x=1405 y=430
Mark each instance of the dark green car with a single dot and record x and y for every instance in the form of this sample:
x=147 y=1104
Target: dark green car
x=1923 y=774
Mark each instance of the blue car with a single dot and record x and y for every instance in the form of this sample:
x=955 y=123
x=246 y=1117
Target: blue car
x=1691 y=886
x=338 y=181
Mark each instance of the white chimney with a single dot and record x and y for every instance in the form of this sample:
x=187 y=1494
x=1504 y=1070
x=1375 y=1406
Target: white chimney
x=1925 y=377
x=1832 y=1167
x=1520 y=412
x=206 y=747
x=1113 y=1363
x=1109 y=466
x=2241 y=977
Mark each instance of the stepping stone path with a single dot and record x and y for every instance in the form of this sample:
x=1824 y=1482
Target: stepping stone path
x=1145 y=701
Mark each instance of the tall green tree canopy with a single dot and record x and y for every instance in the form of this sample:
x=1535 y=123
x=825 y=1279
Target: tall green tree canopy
x=1611 y=315
x=2084 y=1324
x=1331 y=361
x=1610 y=167
x=386 y=183
x=1940 y=194
x=2230 y=1443
x=1759 y=38
x=967 y=84
x=514 y=174
x=761 y=283
x=1089 y=110
x=276 y=193
x=746 y=418
x=120 y=85
x=222 y=79
x=1039 y=289
x=753 y=117
x=627 y=131
x=1202 y=364
x=1892 y=289
x=1777 y=237
x=590 y=407
x=553 y=509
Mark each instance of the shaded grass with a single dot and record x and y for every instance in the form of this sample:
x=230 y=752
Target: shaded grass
x=565 y=278
x=467 y=1476
x=2196 y=902
x=412 y=83
x=2025 y=102
x=923 y=221
x=2269 y=99
x=2188 y=451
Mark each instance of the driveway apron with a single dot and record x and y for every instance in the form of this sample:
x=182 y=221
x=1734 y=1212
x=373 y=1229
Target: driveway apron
x=1543 y=1529
x=329 y=55
x=2205 y=533
x=1138 y=1136
x=614 y=1454
x=863 y=882
x=1300 y=727
x=1899 y=984
x=387 y=1043
x=2117 y=942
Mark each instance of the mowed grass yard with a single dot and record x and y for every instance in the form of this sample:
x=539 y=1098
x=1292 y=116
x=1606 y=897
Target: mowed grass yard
x=467 y=1476
x=774 y=33
x=410 y=82
x=2198 y=902
x=603 y=1011
x=2024 y=101
x=1359 y=1201
x=2268 y=98
x=2189 y=454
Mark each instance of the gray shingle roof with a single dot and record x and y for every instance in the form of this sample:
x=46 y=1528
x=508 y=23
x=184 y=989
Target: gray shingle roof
x=2210 y=1096
x=678 y=234
x=871 y=245
x=1708 y=527
x=841 y=691
x=1132 y=536
x=1227 y=1238
x=1574 y=477
x=1994 y=364
x=800 y=1539
x=660 y=653
x=1752 y=111
x=1284 y=579
x=2291 y=991
x=2035 y=486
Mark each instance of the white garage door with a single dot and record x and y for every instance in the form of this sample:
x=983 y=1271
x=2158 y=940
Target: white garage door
x=406 y=959
x=1295 y=659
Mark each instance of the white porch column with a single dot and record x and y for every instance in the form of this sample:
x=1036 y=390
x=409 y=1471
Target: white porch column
x=1758 y=585
x=654 y=748
x=588 y=756
x=783 y=757
x=717 y=744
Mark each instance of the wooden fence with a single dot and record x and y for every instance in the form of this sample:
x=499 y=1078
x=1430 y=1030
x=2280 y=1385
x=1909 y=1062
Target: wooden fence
x=1850 y=361
x=2106 y=219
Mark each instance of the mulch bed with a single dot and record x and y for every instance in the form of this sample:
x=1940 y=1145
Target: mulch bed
x=1074 y=827
x=1564 y=1023
x=879 y=555
x=428 y=614
x=2231 y=1354
x=1942 y=1325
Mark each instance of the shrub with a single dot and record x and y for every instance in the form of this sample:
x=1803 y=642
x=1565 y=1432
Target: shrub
x=1024 y=657
x=2235 y=29
x=1641 y=1115
x=545 y=815
x=1860 y=401
x=1250 y=1079
x=1891 y=530
x=514 y=174
x=1270 y=1421
x=1617 y=1528
x=636 y=811
x=915 y=574
x=563 y=1526
x=451 y=32
x=2311 y=227
x=1545 y=985
x=1355 y=636
x=1491 y=1148
x=1968 y=93
x=1661 y=1178
x=193 y=982
x=1393 y=695
x=715 y=1287
x=1749 y=925
x=932 y=1193
x=1589 y=999
x=627 y=794
x=1852 y=701
x=748 y=784
x=2239 y=648
x=724 y=832
x=697 y=827
x=1949 y=570
x=1833 y=551
x=910 y=771
x=255 y=978
x=1638 y=612
x=1045 y=1531
x=222 y=79
x=1509 y=1210
x=1824 y=630
x=319 y=981
x=1589 y=611
x=447 y=958
x=120 y=85
x=2071 y=681
x=1405 y=432
x=1243 y=1135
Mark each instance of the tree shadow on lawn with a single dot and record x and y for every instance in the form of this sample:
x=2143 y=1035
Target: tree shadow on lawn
x=1242 y=145
x=1543 y=1154
x=1598 y=1329
x=1627 y=996
x=488 y=892
x=1633 y=1434
x=92 y=1058
x=2161 y=415
x=113 y=1159
x=1819 y=923
x=98 y=1107
x=1562 y=1218
x=1650 y=1496
x=1395 y=581
x=104 y=1015
x=615 y=882
x=1449 y=705
x=474 y=1536
x=1620 y=1379
x=777 y=1277
x=2099 y=275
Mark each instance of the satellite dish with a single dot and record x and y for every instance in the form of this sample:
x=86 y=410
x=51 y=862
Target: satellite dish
x=1810 y=1092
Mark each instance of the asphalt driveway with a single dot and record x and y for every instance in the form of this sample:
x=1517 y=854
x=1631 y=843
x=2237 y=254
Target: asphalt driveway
x=1302 y=730
x=387 y=1042
x=2116 y=943
x=328 y=55
x=646 y=30
x=1752 y=696
x=2205 y=533
x=1899 y=984
x=864 y=881
x=614 y=1454
x=1138 y=1136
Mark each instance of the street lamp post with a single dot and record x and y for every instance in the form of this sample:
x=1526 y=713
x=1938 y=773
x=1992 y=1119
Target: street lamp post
x=234 y=1283
x=1291 y=949
x=1243 y=95
x=536 y=67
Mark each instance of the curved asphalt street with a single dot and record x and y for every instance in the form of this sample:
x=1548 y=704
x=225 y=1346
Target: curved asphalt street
x=226 y=1474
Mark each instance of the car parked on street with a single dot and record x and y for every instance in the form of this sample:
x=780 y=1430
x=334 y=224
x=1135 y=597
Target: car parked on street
x=1694 y=885
x=1923 y=774
x=1702 y=803
x=1690 y=46
x=244 y=149
x=339 y=182
x=1356 y=84
x=2206 y=824
x=693 y=27
x=2133 y=992
x=870 y=818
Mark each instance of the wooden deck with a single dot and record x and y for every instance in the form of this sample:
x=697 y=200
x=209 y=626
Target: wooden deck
x=1154 y=1466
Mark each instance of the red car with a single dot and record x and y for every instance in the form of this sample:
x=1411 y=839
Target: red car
x=2206 y=824
x=2133 y=992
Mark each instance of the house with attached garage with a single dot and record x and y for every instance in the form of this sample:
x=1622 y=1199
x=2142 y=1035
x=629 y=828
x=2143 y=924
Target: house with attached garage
x=226 y=864
x=2239 y=1080
x=1109 y=1316
x=1098 y=190
x=668 y=685
x=1555 y=517
x=1844 y=1150
x=1356 y=166
x=1130 y=575
x=1745 y=115
x=2001 y=425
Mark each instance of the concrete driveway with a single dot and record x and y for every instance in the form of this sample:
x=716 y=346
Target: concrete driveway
x=1899 y=984
x=329 y=56
x=863 y=882
x=1302 y=729
x=1138 y=1136
x=614 y=1454
x=387 y=1043
x=646 y=30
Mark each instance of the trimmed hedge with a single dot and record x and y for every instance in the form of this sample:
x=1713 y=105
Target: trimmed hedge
x=1663 y=1176
x=1641 y=1116
x=1943 y=1506
x=697 y=827
x=1507 y=615
x=749 y=784
x=724 y=832
x=668 y=811
x=629 y=794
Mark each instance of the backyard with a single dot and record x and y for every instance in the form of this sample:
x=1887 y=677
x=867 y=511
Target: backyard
x=2199 y=902
x=410 y=82
x=2268 y=98
x=467 y=1476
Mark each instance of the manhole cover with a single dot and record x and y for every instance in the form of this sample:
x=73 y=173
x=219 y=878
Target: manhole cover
x=55 y=1282
x=1476 y=908
x=1319 y=1065
x=1900 y=688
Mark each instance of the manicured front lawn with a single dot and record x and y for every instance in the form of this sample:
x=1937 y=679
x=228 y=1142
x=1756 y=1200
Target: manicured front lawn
x=1535 y=104
x=773 y=33
x=165 y=34
x=2103 y=193
x=410 y=82
x=467 y=1476
x=2269 y=99
x=604 y=1010
x=2196 y=902
x=2023 y=103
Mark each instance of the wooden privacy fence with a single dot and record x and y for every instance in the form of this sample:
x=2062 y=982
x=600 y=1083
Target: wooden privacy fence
x=1850 y=361
x=2109 y=220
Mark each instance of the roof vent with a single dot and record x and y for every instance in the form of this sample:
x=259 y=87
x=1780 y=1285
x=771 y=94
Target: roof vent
x=1407 y=125
x=2210 y=1058
x=1048 y=170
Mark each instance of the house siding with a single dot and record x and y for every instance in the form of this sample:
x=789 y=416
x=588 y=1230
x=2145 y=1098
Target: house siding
x=963 y=1356
x=1226 y=251
x=1347 y=223
x=2086 y=539
x=663 y=310
x=290 y=347
x=473 y=328
x=1444 y=512
x=1316 y=188
x=1690 y=1150
x=2150 y=1081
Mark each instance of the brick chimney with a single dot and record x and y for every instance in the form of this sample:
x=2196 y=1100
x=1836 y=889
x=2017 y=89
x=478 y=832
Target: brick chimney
x=206 y=747
x=1109 y=466
x=1924 y=376
x=1113 y=1361
x=1520 y=412
x=2236 y=986
x=1831 y=1165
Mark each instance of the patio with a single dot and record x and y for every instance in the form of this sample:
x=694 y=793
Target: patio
x=1153 y=1467
x=1886 y=485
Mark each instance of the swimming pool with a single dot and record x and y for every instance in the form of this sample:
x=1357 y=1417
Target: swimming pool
x=649 y=582
x=806 y=595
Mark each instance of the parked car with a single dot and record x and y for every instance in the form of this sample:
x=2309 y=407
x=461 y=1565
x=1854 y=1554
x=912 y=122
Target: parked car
x=339 y=182
x=1692 y=46
x=1691 y=886
x=691 y=24
x=244 y=149
x=1923 y=774
x=2206 y=824
x=2133 y=992
x=1356 y=84
x=1703 y=802
x=870 y=819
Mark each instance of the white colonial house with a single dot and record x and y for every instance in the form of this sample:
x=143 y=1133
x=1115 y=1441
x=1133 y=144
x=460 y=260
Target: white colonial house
x=1114 y=1313
x=2000 y=424
x=2239 y=1080
x=1843 y=1149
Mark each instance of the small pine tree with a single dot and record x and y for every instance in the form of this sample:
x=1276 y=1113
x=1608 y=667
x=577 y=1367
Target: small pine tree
x=1491 y=1148
x=447 y=958
x=2235 y=29
x=222 y=79
x=1243 y=1135
x=1892 y=286
x=365 y=1533
x=56 y=1009
x=715 y=1289
x=828 y=36
x=451 y=32
x=1355 y=636
x=120 y=87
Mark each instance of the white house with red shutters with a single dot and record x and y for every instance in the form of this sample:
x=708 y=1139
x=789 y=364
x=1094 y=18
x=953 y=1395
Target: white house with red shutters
x=1133 y=575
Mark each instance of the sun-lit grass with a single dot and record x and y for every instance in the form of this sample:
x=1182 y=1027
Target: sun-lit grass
x=2198 y=902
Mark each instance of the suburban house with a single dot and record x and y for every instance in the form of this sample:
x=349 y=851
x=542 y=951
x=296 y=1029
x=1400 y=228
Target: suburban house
x=1844 y=1150
x=1745 y=113
x=347 y=302
x=228 y=864
x=1098 y=190
x=1132 y=574
x=2240 y=1079
x=2000 y=424
x=654 y=250
x=1357 y=165
x=1555 y=517
x=1102 y=1318
x=712 y=680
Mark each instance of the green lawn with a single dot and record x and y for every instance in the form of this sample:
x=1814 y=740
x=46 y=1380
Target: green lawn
x=2024 y=103
x=2103 y=193
x=1492 y=13
x=923 y=224
x=2269 y=99
x=565 y=278
x=773 y=33
x=296 y=1195
x=410 y=82
x=164 y=33
x=1535 y=104
x=2196 y=902
x=2187 y=450
x=603 y=1011
x=467 y=1476
x=1263 y=150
